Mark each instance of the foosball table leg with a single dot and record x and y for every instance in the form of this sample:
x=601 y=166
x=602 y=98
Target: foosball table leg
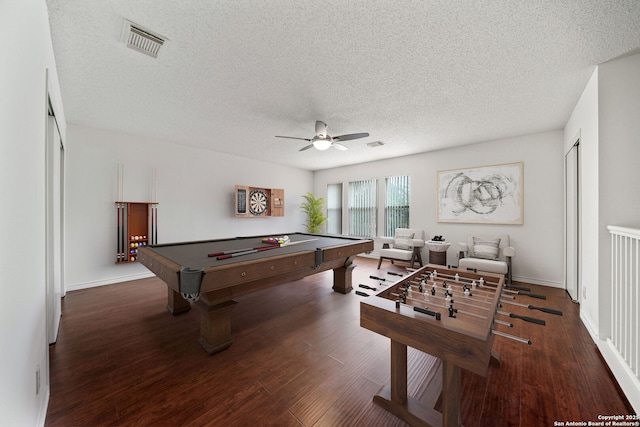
x=495 y=359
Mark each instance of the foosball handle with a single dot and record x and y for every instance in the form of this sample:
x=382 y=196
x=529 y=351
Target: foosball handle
x=546 y=310
x=526 y=294
x=435 y=314
x=528 y=319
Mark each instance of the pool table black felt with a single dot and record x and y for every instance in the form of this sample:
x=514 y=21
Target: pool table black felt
x=195 y=254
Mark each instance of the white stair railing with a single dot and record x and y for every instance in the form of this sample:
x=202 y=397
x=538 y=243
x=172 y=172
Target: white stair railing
x=625 y=304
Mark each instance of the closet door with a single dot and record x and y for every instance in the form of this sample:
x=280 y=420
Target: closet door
x=54 y=193
x=572 y=221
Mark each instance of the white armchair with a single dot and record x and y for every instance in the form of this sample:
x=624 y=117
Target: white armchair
x=490 y=253
x=405 y=246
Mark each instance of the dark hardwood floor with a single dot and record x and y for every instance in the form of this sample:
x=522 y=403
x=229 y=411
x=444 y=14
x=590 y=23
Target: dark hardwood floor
x=300 y=358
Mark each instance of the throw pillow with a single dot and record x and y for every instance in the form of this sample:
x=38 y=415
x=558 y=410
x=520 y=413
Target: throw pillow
x=403 y=241
x=485 y=248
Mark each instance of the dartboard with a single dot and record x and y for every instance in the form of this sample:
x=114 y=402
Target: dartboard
x=257 y=202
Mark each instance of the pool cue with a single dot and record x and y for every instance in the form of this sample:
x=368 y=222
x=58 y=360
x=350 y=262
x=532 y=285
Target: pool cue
x=119 y=234
x=232 y=251
x=274 y=245
x=246 y=252
x=261 y=249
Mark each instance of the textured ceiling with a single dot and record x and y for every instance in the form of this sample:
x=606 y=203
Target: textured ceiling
x=417 y=75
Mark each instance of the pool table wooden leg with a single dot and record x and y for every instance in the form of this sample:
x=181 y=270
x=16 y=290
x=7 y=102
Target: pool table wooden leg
x=342 y=277
x=175 y=303
x=215 y=324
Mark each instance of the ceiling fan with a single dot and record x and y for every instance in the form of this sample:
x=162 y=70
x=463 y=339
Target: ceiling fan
x=323 y=141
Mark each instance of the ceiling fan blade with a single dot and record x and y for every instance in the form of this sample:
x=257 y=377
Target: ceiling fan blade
x=321 y=129
x=350 y=136
x=339 y=146
x=293 y=137
x=306 y=148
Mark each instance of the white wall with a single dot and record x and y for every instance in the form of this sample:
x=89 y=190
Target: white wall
x=583 y=123
x=195 y=192
x=619 y=170
x=23 y=67
x=539 y=241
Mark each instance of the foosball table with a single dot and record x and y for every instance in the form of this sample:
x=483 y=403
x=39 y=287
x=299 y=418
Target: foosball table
x=448 y=313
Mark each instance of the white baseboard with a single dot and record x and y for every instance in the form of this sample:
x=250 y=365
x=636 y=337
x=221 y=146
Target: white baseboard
x=42 y=413
x=541 y=282
x=109 y=281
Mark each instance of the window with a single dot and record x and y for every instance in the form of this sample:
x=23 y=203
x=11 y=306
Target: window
x=396 y=209
x=363 y=208
x=334 y=208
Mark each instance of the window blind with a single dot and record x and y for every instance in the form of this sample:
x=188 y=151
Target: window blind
x=334 y=208
x=396 y=209
x=363 y=208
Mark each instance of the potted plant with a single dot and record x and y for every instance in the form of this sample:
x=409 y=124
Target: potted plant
x=313 y=207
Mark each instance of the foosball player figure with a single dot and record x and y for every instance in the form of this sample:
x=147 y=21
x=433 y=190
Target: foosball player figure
x=452 y=311
x=433 y=290
x=448 y=301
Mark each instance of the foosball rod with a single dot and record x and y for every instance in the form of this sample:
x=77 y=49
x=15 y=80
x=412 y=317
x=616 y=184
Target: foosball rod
x=498 y=321
x=512 y=315
x=533 y=307
x=511 y=337
x=524 y=294
x=482 y=292
x=491 y=285
x=487 y=303
x=457 y=301
x=460 y=278
x=525 y=318
x=522 y=288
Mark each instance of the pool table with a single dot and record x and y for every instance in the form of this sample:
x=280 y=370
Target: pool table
x=212 y=283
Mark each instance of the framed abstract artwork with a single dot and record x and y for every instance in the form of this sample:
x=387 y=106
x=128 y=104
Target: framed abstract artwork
x=486 y=194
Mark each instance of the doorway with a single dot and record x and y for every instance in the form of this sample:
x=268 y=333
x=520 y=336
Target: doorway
x=572 y=221
x=54 y=224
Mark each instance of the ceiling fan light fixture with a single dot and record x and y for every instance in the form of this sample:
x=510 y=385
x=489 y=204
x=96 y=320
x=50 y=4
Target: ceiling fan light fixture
x=321 y=144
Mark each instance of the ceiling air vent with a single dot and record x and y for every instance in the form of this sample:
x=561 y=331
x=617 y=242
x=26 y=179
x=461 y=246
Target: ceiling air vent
x=141 y=39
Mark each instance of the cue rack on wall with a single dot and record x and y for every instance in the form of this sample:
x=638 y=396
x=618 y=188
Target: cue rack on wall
x=137 y=226
x=254 y=202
